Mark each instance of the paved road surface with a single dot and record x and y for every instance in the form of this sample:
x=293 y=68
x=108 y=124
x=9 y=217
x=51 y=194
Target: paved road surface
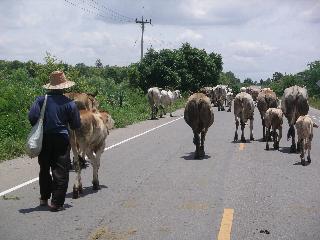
x=153 y=189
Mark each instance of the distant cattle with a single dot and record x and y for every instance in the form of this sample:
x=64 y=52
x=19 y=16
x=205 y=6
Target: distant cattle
x=253 y=91
x=209 y=92
x=198 y=114
x=243 y=110
x=229 y=100
x=89 y=141
x=167 y=99
x=220 y=93
x=294 y=104
x=154 y=98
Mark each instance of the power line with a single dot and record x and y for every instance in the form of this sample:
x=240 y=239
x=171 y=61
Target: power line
x=96 y=10
x=129 y=19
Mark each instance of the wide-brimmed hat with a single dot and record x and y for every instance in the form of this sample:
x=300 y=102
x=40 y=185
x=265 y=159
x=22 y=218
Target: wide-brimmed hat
x=58 y=81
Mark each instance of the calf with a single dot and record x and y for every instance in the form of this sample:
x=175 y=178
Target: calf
x=274 y=119
x=304 y=126
x=198 y=114
x=89 y=141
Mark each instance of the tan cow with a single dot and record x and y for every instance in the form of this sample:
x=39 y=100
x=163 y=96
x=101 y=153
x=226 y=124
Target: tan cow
x=89 y=141
x=198 y=114
x=274 y=119
x=265 y=100
x=304 y=126
x=243 y=110
x=84 y=101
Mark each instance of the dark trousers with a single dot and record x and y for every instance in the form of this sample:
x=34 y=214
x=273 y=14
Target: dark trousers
x=55 y=154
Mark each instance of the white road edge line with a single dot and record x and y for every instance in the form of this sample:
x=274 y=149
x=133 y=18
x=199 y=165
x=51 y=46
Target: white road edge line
x=108 y=148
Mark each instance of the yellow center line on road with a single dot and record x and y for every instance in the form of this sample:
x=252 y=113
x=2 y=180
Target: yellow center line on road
x=242 y=146
x=226 y=224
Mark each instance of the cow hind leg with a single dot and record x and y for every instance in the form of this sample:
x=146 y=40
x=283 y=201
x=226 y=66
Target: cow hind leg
x=243 y=139
x=203 y=137
x=196 y=141
x=251 y=130
x=309 y=149
x=267 y=138
x=95 y=161
x=292 y=134
x=302 y=141
x=236 y=132
x=77 y=187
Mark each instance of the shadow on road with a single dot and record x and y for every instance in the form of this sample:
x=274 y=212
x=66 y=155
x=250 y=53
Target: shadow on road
x=86 y=191
x=39 y=209
x=190 y=156
x=285 y=150
x=299 y=163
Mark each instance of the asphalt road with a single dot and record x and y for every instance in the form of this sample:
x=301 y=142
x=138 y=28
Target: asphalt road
x=152 y=188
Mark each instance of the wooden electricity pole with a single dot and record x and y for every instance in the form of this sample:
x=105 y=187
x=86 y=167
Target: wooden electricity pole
x=142 y=22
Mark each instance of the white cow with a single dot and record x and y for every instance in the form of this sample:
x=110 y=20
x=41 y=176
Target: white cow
x=167 y=99
x=154 y=97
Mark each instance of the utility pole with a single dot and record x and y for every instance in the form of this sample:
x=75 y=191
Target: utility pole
x=142 y=22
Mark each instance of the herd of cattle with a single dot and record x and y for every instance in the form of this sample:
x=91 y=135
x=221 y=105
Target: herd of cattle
x=294 y=106
x=89 y=140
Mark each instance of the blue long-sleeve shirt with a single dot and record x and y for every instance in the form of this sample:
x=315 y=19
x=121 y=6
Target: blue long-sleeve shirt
x=60 y=112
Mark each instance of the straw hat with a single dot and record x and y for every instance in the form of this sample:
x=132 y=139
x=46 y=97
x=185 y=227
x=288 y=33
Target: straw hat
x=58 y=81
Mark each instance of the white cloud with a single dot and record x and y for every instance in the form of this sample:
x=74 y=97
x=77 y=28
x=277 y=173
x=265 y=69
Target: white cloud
x=250 y=49
x=189 y=35
x=254 y=37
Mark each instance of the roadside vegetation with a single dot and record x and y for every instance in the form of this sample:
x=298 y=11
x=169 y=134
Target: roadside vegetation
x=122 y=90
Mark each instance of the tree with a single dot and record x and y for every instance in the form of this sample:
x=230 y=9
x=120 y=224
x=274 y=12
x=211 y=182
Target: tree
x=186 y=68
x=98 y=63
x=276 y=76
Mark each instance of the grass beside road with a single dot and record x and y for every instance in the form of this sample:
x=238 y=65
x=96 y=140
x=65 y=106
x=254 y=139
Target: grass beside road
x=14 y=127
x=314 y=102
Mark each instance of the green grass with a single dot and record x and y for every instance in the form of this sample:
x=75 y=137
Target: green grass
x=314 y=102
x=14 y=125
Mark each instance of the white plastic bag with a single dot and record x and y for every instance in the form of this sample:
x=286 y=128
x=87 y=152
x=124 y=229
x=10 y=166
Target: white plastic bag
x=34 y=140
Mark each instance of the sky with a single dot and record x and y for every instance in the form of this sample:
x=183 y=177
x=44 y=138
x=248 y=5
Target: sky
x=254 y=37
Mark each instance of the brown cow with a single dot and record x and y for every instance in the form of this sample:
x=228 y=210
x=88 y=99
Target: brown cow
x=198 y=114
x=265 y=100
x=89 y=141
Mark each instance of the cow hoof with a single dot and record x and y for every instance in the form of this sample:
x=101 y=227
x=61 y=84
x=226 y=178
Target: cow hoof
x=303 y=162
x=267 y=147
x=197 y=155
x=201 y=154
x=309 y=159
x=251 y=138
x=75 y=193
x=235 y=137
x=243 y=139
x=95 y=186
x=293 y=149
x=171 y=115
